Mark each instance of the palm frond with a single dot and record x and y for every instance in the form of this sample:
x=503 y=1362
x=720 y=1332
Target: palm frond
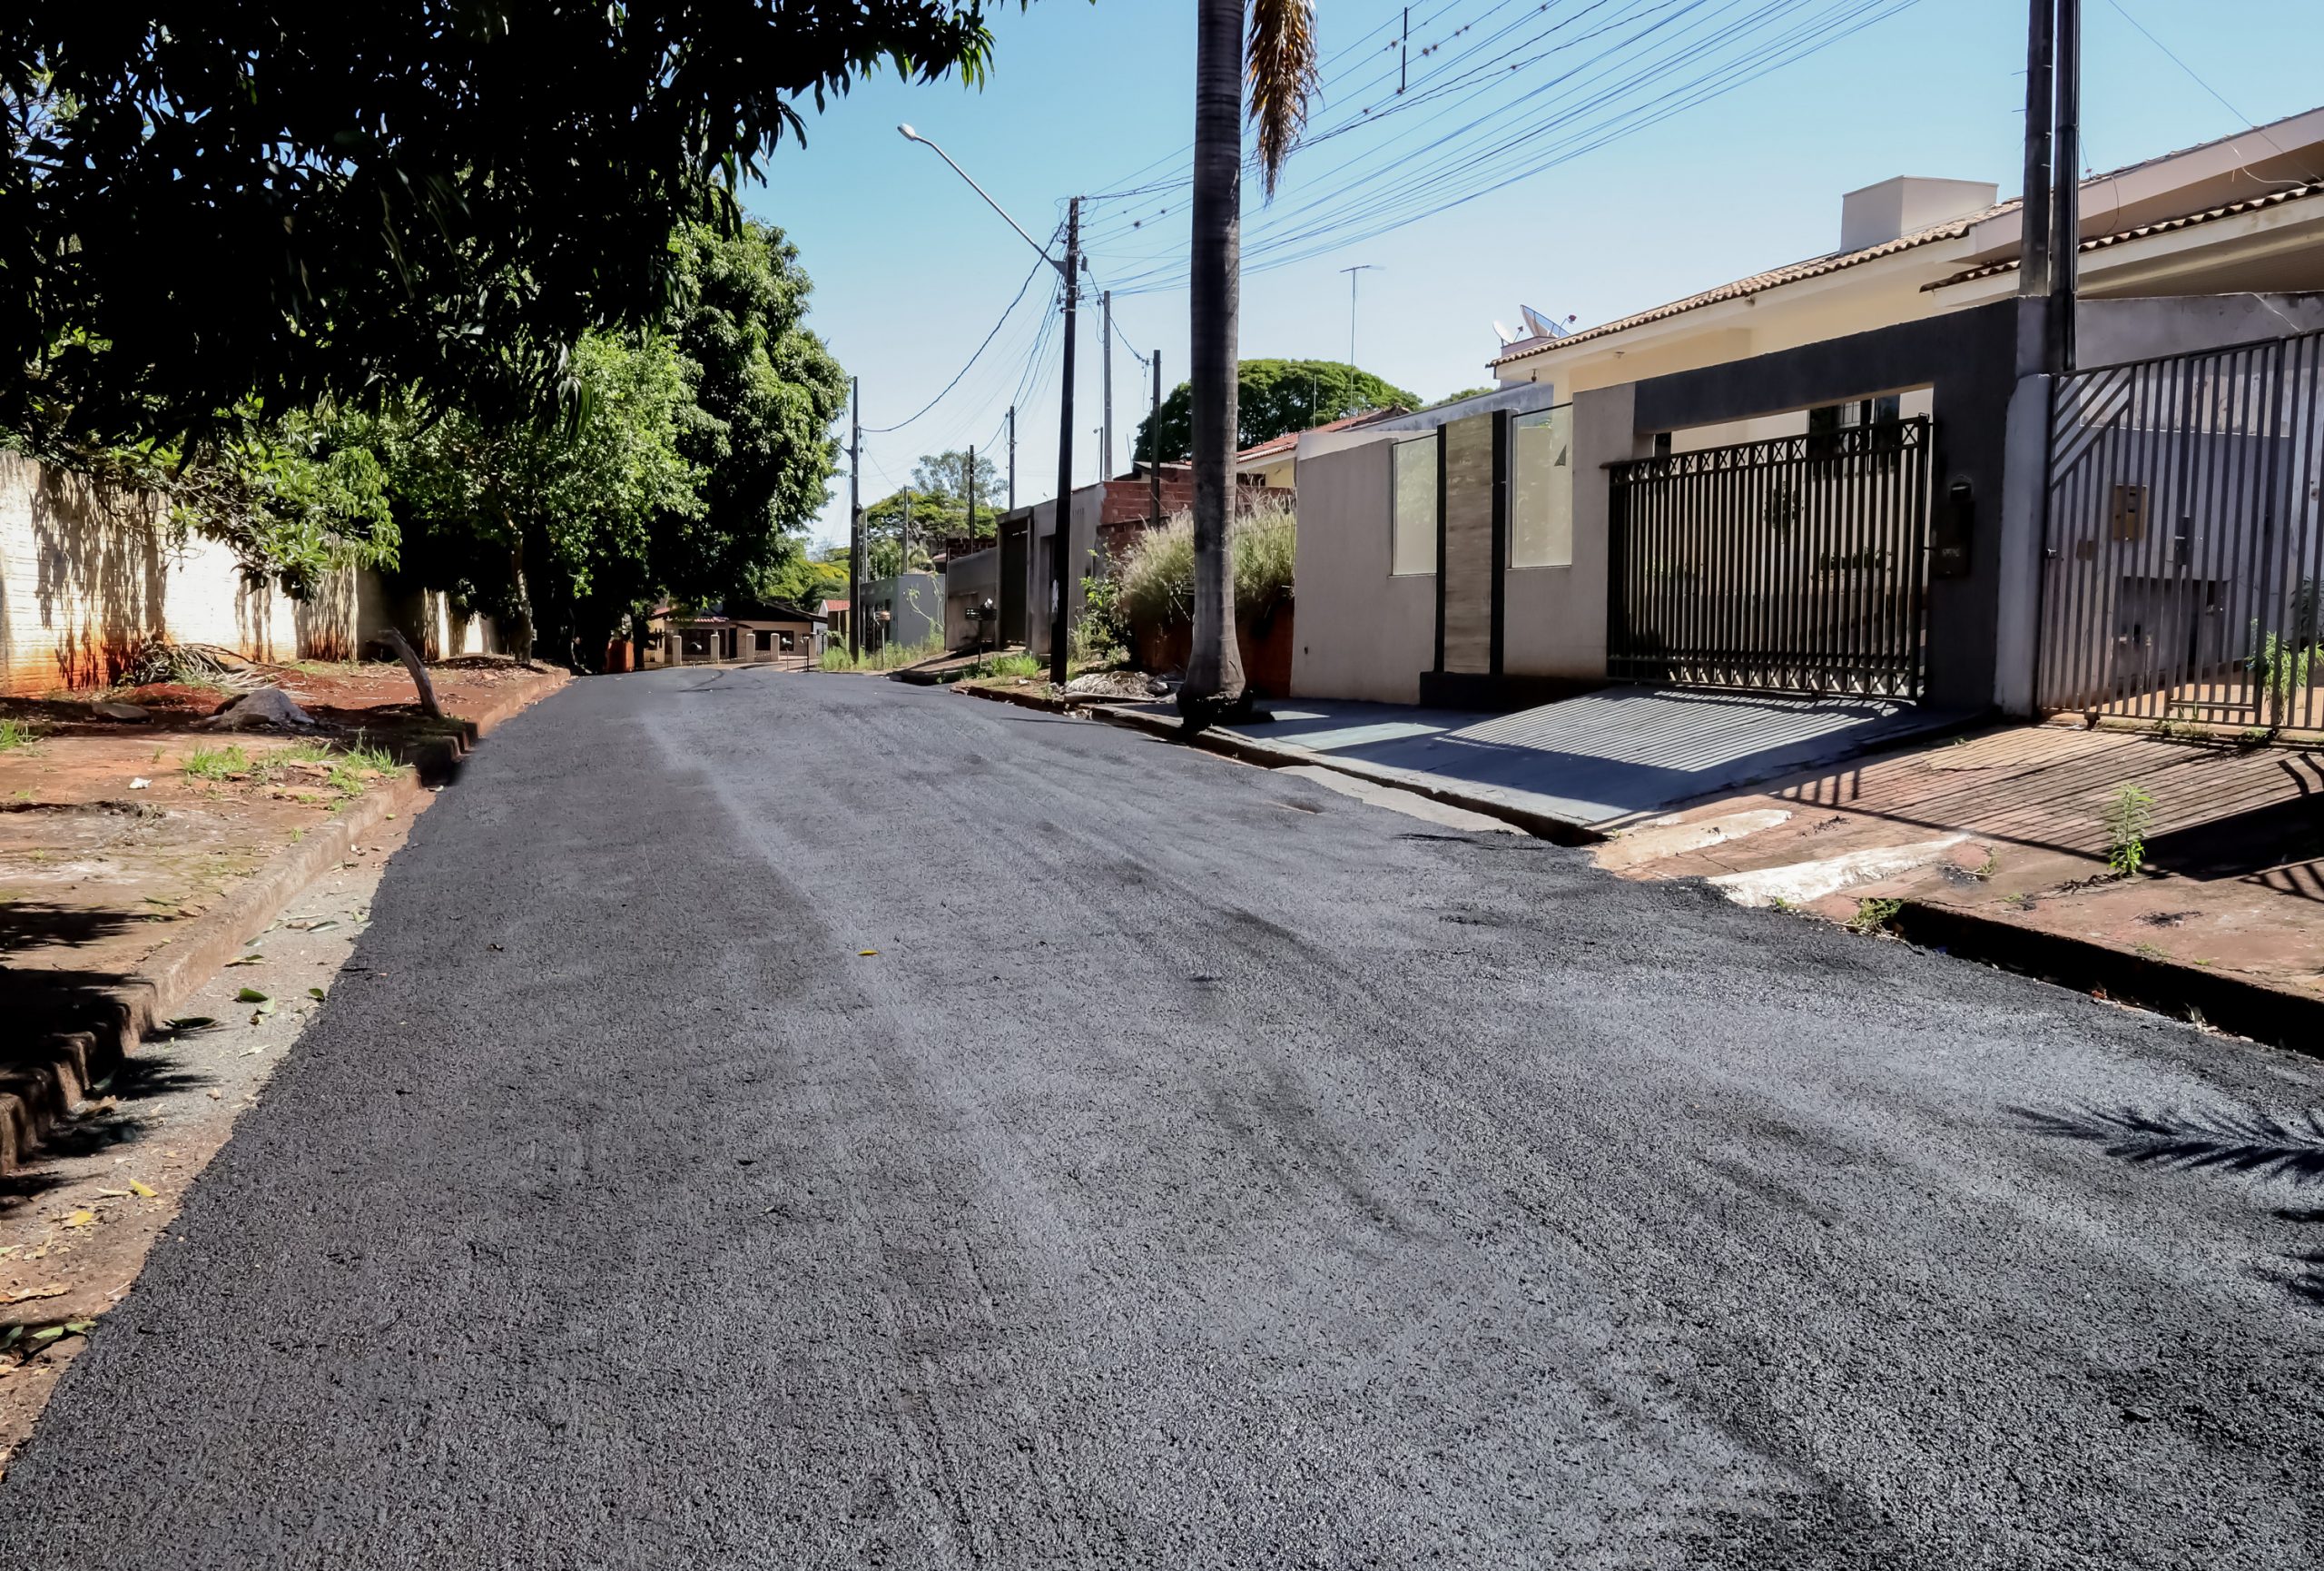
x=2238 y=1140
x=1281 y=65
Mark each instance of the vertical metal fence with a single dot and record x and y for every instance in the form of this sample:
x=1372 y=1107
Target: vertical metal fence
x=1796 y=565
x=2183 y=552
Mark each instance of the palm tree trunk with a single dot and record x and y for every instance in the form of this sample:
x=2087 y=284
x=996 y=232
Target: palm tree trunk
x=1213 y=684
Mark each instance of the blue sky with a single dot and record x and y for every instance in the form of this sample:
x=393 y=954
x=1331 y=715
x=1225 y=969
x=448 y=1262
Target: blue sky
x=911 y=271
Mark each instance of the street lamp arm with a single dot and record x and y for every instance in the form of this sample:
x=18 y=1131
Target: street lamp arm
x=912 y=135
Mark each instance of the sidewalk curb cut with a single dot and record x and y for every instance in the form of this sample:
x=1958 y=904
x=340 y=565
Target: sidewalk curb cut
x=34 y=1097
x=1275 y=756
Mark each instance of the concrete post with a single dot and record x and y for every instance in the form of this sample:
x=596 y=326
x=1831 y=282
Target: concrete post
x=2024 y=522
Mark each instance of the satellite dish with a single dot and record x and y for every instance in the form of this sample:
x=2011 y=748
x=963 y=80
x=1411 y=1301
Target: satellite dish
x=1542 y=326
x=1504 y=334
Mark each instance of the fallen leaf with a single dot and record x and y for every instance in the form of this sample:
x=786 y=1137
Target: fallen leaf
x=115 y=1194
x=80 y=1328
x=867 y=951
x=139 y=1187
x=247 y=960
x=81 y=1219
x=314 y=992
x=250 y=995
x=192 y=1023
x=50 y=1290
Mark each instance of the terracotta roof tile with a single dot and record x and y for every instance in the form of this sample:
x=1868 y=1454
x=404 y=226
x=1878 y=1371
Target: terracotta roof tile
x=1814 y=267
x=2161 y=226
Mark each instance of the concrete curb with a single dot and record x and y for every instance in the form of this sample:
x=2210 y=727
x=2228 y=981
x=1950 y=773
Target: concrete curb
x=2228 y=1002
x=36 y=1093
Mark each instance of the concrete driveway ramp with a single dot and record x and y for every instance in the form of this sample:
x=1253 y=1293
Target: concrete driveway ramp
x=1606 y=757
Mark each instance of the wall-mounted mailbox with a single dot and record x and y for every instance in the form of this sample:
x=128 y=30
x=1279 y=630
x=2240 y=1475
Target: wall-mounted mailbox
x=1954 y=528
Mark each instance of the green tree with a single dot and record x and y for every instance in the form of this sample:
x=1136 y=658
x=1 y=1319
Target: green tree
x=549 y=524
x=211 y=201
x=764 y=393
x=946 y=475
x=1276 y=396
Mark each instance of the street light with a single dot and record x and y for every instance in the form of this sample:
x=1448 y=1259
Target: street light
x=1069 y=268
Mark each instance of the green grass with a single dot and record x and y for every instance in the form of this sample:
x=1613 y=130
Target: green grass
x=888 y=658
x=1010 y=665
x=217 y=763
x=356 y=765
x=15 y=734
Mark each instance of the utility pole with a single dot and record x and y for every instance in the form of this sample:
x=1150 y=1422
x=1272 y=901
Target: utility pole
x=1154 y=440
x=1060 y=618
x=1106 y=336
x=903 y=542
x=1404 y=52
x=854 y=514
x=1013 y=465
x=972 y=513
x=2034 y=213
x=1362 y=267
x=2066 y=228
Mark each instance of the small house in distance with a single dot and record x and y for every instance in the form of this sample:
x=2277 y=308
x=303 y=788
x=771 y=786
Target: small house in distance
x=734 y=633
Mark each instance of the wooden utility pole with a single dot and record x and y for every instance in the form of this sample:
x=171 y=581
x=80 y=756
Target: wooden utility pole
x=1106 y=382
x=854 y=514
x=1060 y=612
x=972 y=509
x=1013 y=465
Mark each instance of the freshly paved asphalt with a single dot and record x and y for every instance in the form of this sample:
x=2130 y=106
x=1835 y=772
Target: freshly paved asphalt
x=1208 y=1170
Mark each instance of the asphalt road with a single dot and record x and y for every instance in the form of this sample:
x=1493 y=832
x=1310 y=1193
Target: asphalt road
x=1206 y=1170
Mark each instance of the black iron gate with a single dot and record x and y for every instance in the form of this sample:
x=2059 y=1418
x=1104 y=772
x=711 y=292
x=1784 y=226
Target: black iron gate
x=1796 y=565
x=2184 y=548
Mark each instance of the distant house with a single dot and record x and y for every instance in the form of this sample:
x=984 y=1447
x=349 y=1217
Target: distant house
x=838 y=616
x=736 y=633
x=1271 y=462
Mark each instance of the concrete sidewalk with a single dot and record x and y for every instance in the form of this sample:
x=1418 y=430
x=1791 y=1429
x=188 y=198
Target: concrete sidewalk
x=1604 y=758
x=1997 y=844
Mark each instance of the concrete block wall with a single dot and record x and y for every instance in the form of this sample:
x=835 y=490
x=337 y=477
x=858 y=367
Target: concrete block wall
x=86 y=577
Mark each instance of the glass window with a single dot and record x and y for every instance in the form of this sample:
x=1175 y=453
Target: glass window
x=1412 y=521
x=1540 y=489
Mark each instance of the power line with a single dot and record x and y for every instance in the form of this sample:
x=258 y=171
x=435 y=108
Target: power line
x=1005 y=315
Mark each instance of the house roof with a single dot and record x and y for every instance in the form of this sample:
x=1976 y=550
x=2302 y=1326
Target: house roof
x=2161 y=226
x=1775 y=278
x=2301 y=137
x=1288 y=442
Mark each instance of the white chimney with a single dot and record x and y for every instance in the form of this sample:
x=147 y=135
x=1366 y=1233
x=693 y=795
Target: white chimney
x=1896 y=208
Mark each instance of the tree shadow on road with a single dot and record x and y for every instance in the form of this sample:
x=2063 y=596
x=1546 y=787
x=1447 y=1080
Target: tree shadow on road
x=2229 y=1139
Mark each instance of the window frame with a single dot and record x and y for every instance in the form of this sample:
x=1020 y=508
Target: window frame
x=1433 y=533
x=1509 y=487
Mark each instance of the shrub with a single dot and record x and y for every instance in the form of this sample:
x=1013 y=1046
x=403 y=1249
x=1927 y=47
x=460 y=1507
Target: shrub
x=1158 y=575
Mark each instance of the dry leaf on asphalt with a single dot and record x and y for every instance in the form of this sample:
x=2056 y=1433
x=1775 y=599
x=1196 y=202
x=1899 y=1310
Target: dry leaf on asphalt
x=81 y=1219
x=143 y=1190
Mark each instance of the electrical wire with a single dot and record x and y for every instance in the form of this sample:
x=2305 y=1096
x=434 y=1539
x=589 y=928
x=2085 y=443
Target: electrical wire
x=1005 y=315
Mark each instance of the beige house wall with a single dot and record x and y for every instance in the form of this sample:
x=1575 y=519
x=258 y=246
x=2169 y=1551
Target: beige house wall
x=1364 y=633
x=86 y=577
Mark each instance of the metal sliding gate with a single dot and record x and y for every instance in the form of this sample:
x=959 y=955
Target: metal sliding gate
x=2184 y=552
x=1797 y=564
